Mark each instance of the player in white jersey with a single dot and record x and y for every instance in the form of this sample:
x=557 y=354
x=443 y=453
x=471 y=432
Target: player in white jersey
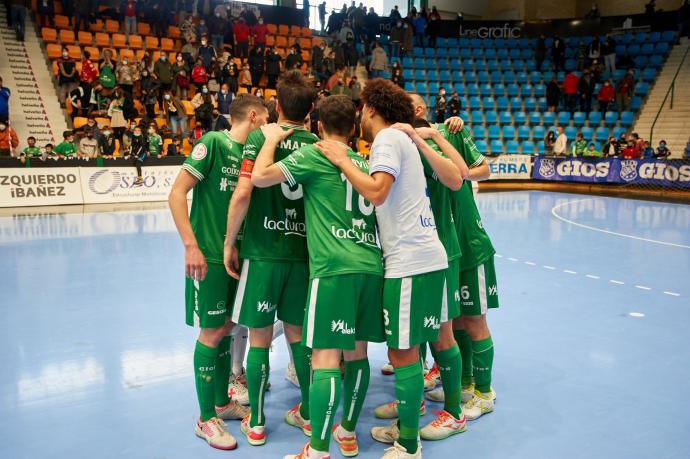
x=414 y=258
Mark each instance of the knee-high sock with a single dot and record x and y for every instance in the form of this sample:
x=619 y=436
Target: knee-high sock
x=465 y=344
x=483 y=361
x=409 y=387
x=204 y=370
x=302 y=360
x=222 y=377
x=257 y=378
x=450 y=367
x=355 y=385
x=325 y=397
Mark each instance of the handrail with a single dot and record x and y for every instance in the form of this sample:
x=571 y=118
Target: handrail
x=671 y=90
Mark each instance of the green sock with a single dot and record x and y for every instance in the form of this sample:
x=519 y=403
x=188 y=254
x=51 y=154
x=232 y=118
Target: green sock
x=223 y=364
x=409 y=387
x=355 y=387
x=449 y=365
x=482 y=362
x=257 y=378
x=301 y=357
x=204 y=369
x=465 y=344
x=325 y=397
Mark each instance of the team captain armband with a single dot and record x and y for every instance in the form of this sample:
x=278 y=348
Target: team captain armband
x=246 y=168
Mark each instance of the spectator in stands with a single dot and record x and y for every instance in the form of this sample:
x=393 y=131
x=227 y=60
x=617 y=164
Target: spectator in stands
x=605 y=96
x=371 y=25
x=230 y=74
x=322 y=16
x=591 y=152
x=553 y=94
x=561 y=145
x=611 y=148
x=203 y=109
x=163 y=71
x=83 y=9
x=181 y=72
x=579 y=146
x=647 y=151
x=201 y=29
x=206 y=52
x=397 y=74
x=432 y=26
x=419 y=24
x=397 y=36
x=395 y=13
x=8 y=139
x=248 y=15
x=130 y=15
x=570 y=85
x=624 y=91
x=341 y=89
x=75 y=98
x=154 y=142
x=46 y=13
x=116 y=114
x=19 y=10
x=89 y=74
x=630 y=151
x=597 y=70
x=188 y=30
x=257 y=63
x=594 y=49
x=351 y=57
x=196 y=133
x=66 y=148
x=106 y=144
x=608 y=50
x=149 y=93
x=345 y=33
x=273 y=64
x=454 y=105
x=219 y=122
x=67 y=75
x=88 y=145
x=441 y=106
x=125 y=75
x=355 y=90
x=138 y=150
x=259 y=32
x=93 y=125
x=581 y=55
x=593 y=13
x=216 y=28
x=32 y=151
x=662 y=152
x=549 y=142
x=317 y=56
x=639 y=143
x=5 y=94
x=540 y=52
x=199 y=75
x=224 y=99
x=408 y=39
x=585 y=90
x=293 y=61
x=241 y=38
x=558 y=53
x=174 y=147
x=379 y=61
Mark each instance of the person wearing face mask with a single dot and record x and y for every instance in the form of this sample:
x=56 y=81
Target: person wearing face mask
x=154 y=142
x=130 y=14
x=67 y=75
x=199 y=75
x=89 y=74
x=662 y=152
x=127 y=138
x=224 y=99
x=202 y=29
x=218 y=121
x=175 y=114
x=124 y=74
x=203 y=104
x=273 y=64
x=256 y=63
x=259 y=32
x=216 y=25
x=441 y=106
x=245 y=78
x=397 y=36
x=8 y=139
x=230 y=75
x=88 y=145
x=138 y=150
x=149 y=93
x=606 y=96
x=241 y=38
x=116 y=114
x=379 y=61
x=164 y=74
x=181 y=77
x=66 y=148
x=106 y=144
x=206 y=52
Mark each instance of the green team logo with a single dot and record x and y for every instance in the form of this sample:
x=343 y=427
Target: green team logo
x=265 y=306
x=340 y=326
x=493 y=290
x=432 y=322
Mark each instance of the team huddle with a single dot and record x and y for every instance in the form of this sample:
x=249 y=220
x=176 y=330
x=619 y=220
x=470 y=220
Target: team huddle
x=344 y=250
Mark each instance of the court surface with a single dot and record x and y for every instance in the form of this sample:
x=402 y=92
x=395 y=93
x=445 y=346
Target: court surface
x=592 y=337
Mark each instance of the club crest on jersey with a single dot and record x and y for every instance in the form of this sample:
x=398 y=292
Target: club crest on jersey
x=199 y=152
x=432 y=322
x=340 y=326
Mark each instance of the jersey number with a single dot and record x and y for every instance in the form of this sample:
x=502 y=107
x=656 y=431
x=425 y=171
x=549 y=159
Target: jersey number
x=292 y=195
x=364 y=207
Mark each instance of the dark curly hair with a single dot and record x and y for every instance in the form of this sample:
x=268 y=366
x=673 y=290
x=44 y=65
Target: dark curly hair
x=389 y=100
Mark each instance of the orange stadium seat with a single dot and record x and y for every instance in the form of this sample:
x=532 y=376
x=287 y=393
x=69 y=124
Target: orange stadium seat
x=306 y=55
x=135 y=42
x=95 y=52
x=139 y=54
x=151 y=42
x=283 y=29
x=305 y=43
x=306 y=32
x=281 y=41
x=186 y=147
x=116 y=151
x=188 y=107
x=268 y=93
x=100 y=122
x=55 y=68
x=127 y=53
x=49 y=35
x=85 y=38
x=166 y=142
x=160 y=122
x=295 y=30
x=57 y=8
x=61 y=22
x=173 y=32
x=315 y=41
x=96 y=26
x=74 y=52
x=270 y=40
x=272 y=29
x=54 y=50
x=102 y=40
x=79 y=121
x=167 y=45
x=67 y=37
x=78 y=67
x=143 y=28
x=155 y=56
x=292 y=40
x=112 y=26
x=119 y=40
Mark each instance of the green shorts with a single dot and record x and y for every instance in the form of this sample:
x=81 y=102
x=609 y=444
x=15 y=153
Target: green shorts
x=412 y=309
x=478 y=289
x=343 y=309
x=267 y=288
x=450 y=309
x=208 y=301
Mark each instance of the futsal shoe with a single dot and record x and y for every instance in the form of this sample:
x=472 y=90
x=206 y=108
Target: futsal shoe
x=294 y=418
x=233 y=410
x=308 y=453
x=347 y=441
x=436 y=395
x=291 y=375
x=390 y=410
x=386 y=434
x=387 y=369
x=443 y=426
x=398 y=452
x=480 y=405
x=432 y=378
x=256 y=436
x=467 y=393
x=238 y=391
x=213 y=431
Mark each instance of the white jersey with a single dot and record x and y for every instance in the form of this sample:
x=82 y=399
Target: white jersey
x=406 y=224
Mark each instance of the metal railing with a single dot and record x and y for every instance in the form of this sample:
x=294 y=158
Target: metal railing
x=671 y=90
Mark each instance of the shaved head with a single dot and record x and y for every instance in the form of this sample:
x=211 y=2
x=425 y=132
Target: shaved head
x=419 y=105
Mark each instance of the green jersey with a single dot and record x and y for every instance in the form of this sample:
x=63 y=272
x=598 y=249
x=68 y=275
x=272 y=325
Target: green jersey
x=440 y=197
x=155 y=144
x=32 y=151
x=274 y=229
x=341 y=224
x=215 y=163
x=475 y=244
x=578 y=147
x=65 y=149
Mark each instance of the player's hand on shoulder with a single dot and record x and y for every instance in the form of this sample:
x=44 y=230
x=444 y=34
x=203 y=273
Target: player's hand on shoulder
x=194 y=263
x=335 y=152
x=454 y=123
x=426 y=132
x=406 y=128
x=274 y=133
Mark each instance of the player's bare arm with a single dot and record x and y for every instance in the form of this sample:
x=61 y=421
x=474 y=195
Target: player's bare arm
x=374 y=188
x=265 y=172
x=480 y=172
x=194 y=261
x=454 y=123
x=446 y=147
x=239 y=203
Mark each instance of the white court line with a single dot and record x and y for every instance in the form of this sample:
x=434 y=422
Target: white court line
x=498 y=256
x=637 y=238
x=512 y=259
x=617 y=282
x=592 y=276
x=530 y=263
x=672 y=293
x=549 y=267
x=642 y=287
x=569 y=271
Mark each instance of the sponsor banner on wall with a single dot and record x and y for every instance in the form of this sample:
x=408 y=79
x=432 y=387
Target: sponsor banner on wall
x=118 y=184
x=510 y=167
x=39 y=187
x=670 y=173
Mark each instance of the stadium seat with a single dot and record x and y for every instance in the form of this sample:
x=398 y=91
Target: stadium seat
x=150 y=42
x=540 y=147
x=587 y=133
x=534 y=118
x=67 y=37
x=530 y=104
x=505 y=117
x=491 y=116
x=135 y=42
x=432 y=75
x=513 y=90
x=570 y=132
x=283 y=29
x=481 y=146
x=408 y=86
x=594 y=118
x=512 y=147
x=523 y=132
x=627 y=119
x=601 y=133
x=173 y=32
x=475 y=103
x=636 y=103
x=112 y=26
x=508 y=132
x=486 y=90
x=470 y=77
x=641 y=88
x=539 y=90
x=444 y=76
x=640 y=37
x=421 y=88
x=433 y=87
x=496 y=147
x=488 y=103
x=669 y=36
x=494 y=131
x=119 y=40
x=295 y=30
x=61 y=22
x=477 y=117
x=618 y=131
x=610 y=118
x=515 y=104
x=49 y=35
x=549 y=118
x=167 y=44
x=641 y=61
x=527 y=147
x=579 y=118
x=143 y=29
x=53 y=50
x=538 y=133
x=74 y=52
x=479 y=132
x=128 y=53
x=472 y=89
x=502 y=103
x=520 y=117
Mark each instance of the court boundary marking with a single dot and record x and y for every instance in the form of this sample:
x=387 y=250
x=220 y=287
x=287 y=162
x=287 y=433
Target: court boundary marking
x=605 y=231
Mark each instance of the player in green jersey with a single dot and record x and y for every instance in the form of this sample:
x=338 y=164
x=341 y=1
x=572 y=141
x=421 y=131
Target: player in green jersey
x=478 y=286
x=275 y=273
x=345 y=270
x=211 y=172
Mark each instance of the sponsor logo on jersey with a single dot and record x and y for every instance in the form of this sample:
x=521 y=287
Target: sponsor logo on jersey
x=223 y=184
x=456 y=295
x=265 y=306
x=357 y=233
x=628 y=170
x=287 y=226
x=340 y=326
x=199 y=152
x=427 y=222
x=291 y=213
x=432 y=322
x=493 y=290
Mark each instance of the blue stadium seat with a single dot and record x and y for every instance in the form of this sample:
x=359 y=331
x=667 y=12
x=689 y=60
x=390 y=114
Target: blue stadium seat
x=531 y=65
x=611 y=118
x=594 y=118
x=535 y=77
x=409 y=86
x=475 y=43
x=540 y=147
x=627 y=118
x=407 y=62
x=472 y=89
x=627 y=38
x=443 y=64
x=421 y=88
x=488 y=103
x=478 y=53
x=520 y=117
x=502 y=54
x=661 y=48
x=407 y=74
x=491 y=116
x=563 y=118
x=523 y=132
x=501 y=43
x=539 y=90
x=490 y=53
x=499 y=90
x=570 y=64
x=418 y=62
x=492 y=65
x=515 y=103
x=456 y=76
x=430 y=63
x=459 y=87
x=617 y=131
x=432 y=75
x=441 y=42
x=464 y=42
x=521 y=78
x=549 y=118
x=636 y=103
x=478 y=131
x=494 y=131
x=648 y=74
x=505 y=117
x=669 y=36
x=641 y=88
x=502 y=103
x=464 y=114
x=496 y=147
x=470 y=77
x=656 y=61
x=513 y=90
x=601 y=133
x=508 y=132
x=527 y=147
x=530 y=104
x=519 y=65
x=620 y=49
x=481 y=146
x=641 y=61
x=538 y=133
x=444 y=76
x=587 y=133
x=514 y=53
x=570 y=132
x=451 y=42
x=479 y=65
x=420 y=75
x=534 y=117
x=512 y=147
x=433 y=87
x=417 y=52
x=474 y=103
x=640 y=37
x=526 y=53
x=509 y=77
x=579 y=118
x=505 y=65
x=477 y=117
x=482 y=77
x=429 y=52
x=633 y=50
x=486 y=90
x=467 y=65
x=496 y=76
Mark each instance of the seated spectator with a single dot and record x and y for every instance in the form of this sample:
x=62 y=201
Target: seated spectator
x=341 y=89
x=48 y=149
x=218 y=121
x=549 y=142
x=561 y=145
x=553 y=94
x=631 y=151
x=440 y=107
x=154 y=142
x=106 y=144
x=611 y=148
x=66 y=148
x=174 y=147
x=662 y=152
x=605 y=96
x=639 y=143
x=88 y=145
x=591 y=152
x=579 y=146
x=175 y=114
x=647 y=151
x=454 y=105
x=397 y=74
